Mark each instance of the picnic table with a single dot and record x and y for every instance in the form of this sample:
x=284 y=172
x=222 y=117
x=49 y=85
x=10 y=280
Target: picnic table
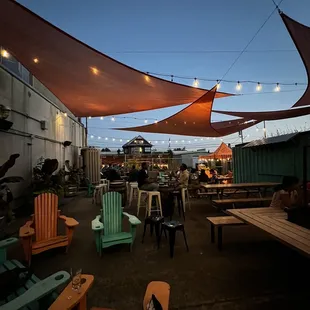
x=260 y=187
x=274 y=222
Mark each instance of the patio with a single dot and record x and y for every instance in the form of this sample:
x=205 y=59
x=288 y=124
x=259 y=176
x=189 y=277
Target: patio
x=253 y=271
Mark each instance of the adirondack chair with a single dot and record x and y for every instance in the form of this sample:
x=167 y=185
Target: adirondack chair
x=36 y=293
x=43 y=227
x=108 y=226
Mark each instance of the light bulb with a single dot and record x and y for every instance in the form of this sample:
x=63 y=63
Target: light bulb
x=145 y=121
x=35 y=60
x=91 y=136
x=176 y=141
x=113 y=139
x=120 y=140
x=163 y=142
x=106 y=138
x=258 y=87
x=99 y=138
x=156 y=121
x=196 y=82
x=113 y=119
x=101 y=117
x=94 y=70
x=182 y=141
x=238 y=86
x=89 y=117
x=5 y=54
x=218 y=84
x=277 y=88
x=195 y=139
x=65 y=114
x=256 y=129
x=156 y=141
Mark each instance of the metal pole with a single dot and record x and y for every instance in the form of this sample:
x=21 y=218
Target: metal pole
x=86 y=130
x=305 y=177
x=265 y=131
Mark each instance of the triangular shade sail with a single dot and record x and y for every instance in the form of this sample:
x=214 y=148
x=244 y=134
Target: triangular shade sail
x=88 y=82
x=195 y=120
x=222 y=152
x=300 y=34
x=269 y=115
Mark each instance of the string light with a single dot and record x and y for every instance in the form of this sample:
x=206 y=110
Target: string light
x=113 y=139
x=106 y=138
x=277 y=88
x=120 y=140
x=196 y=82
x=65 y=114
x=238 y=86
x=113 y=119
x=89 y=117
x=91 y=136
x=99 y=138
x=5 y=53
x=156 y=121
x=101 y=117
x=258 y=87
x=218 y=85
x=145 y=121
x=94 y=70
x=36 y=60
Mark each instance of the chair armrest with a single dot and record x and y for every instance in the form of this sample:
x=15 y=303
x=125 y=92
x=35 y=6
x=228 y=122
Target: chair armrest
x=63 y=302
x=38 y=290
x=69 y=221
x=133 y=220
x=7 y=242
x=96 y=225
x=26 y=230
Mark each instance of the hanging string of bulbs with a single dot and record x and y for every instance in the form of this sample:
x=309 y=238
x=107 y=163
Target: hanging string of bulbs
x=196 y=80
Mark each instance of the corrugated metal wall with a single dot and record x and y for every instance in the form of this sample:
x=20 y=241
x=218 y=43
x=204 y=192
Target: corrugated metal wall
x=271 y=162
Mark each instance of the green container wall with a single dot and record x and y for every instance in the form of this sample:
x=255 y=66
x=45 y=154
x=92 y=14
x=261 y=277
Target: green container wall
x=271 y=162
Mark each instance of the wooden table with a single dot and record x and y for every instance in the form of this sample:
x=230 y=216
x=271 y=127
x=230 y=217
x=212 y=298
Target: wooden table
x=69 y=299
x=274 y=222
x=220 y=188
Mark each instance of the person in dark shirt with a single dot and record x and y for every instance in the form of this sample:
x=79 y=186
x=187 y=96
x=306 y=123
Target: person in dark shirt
x=143 y=180
x=133 y=174
x=213 y=179
x=203 y=177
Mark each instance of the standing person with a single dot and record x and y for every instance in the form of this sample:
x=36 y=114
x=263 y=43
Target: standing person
x=183 y=177
x=143 y=180
x=133 y=174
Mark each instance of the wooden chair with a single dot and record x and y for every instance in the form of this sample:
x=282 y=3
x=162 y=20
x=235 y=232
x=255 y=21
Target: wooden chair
x=43 y=227
x=36 y=293
x=110 y=221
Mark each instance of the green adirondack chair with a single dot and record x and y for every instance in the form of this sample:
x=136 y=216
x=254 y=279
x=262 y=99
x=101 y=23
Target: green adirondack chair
x=36 y=294
x=108 y=226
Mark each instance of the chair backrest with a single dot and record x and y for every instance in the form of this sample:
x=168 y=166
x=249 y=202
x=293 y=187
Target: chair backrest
x=45 y=216
x=112 y=213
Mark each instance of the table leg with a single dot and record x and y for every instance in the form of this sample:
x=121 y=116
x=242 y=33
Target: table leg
x=212 y=234
x=171 y=241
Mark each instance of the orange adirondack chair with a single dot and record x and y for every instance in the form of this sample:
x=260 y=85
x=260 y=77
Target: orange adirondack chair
x=40 y=234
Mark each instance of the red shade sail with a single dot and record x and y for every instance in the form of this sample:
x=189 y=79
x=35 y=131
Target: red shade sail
x=195 y=120
x=88 y=82
x=300 y=34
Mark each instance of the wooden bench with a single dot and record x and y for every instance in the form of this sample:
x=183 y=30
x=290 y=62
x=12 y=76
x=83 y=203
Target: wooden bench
x=219 y=222
x=233 y=201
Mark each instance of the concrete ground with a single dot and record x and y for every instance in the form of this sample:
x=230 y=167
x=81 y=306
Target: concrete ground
x=253 y=271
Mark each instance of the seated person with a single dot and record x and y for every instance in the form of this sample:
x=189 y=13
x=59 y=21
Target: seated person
x=229 y=174
x=203 y=177
x=213 y=179
x=286 y=194
x=133 y=174
x=143 y=180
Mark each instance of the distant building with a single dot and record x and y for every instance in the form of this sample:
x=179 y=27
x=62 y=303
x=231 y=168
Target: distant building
x=136 y=146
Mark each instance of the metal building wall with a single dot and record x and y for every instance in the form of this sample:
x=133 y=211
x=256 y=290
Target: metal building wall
x=271 y=162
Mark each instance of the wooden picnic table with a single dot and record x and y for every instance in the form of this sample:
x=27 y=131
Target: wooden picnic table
x=274 y=222
x=220 y=188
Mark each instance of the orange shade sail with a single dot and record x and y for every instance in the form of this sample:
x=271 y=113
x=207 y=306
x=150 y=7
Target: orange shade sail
x=300 y=34
x=195 y=120
x=88 y=82
x=222 y=152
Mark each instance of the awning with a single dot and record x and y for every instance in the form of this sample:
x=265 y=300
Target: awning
x=222 y=152
x=88 y=82
x=195 y=120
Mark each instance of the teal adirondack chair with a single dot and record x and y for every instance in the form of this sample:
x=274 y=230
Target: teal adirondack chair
x=108 y=226
x=36 y=294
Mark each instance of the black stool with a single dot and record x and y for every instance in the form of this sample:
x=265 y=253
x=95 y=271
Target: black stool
x=172 y=227
x=178 y=195
x=153 y=221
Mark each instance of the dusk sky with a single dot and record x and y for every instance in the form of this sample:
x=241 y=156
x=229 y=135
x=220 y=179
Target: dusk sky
x=193 y=39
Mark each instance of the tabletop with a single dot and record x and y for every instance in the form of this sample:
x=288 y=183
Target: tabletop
x=239 y=185
x=274 y=222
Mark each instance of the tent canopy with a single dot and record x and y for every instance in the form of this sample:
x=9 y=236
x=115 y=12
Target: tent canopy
x=88 y=82
x=222 y=152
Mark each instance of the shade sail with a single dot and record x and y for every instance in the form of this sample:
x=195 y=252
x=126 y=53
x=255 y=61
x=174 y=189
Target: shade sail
x=222 y=152
x=88 y=82
x=300 y=34
x=195 y=120
x=269 y=115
